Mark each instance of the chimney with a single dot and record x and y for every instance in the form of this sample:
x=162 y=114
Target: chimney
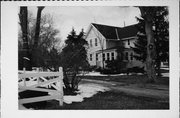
x=117 y=34
x=124 y=24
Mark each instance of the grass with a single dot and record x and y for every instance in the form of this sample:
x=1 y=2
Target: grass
x=111 y=100
x=114 y=99
x=128 y=79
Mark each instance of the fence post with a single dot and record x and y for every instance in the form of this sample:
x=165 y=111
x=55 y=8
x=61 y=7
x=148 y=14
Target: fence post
x=60 y=85
x=24 y=79
x=37 y=69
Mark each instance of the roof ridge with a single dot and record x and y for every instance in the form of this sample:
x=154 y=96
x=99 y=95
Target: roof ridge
x=115 y=26
x=113 y=32
x=106 y=25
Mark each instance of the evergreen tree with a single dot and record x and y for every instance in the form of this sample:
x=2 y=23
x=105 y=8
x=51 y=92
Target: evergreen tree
x=161 y=37
x=74 y=59
x=140 y=45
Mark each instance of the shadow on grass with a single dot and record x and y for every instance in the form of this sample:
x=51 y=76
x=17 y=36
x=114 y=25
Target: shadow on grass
x=111 y=100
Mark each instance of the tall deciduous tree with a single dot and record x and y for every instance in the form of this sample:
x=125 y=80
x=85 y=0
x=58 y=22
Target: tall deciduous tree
x=23 y=17
x=48 y=43
x=36 y=38
x=148 y=14
x=74 y=58
x=161 y=38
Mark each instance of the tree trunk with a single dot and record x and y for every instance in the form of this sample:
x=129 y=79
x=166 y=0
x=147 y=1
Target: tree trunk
x=158 y=67
x=23 y=16
x=36 y=38
x=151 y=52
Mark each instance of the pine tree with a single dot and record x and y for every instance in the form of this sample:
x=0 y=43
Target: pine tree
x=161 y=35
x=74 y=59
x=141 y=43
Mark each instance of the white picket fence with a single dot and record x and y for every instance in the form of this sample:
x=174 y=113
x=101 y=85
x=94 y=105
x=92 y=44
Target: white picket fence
x=29 y=80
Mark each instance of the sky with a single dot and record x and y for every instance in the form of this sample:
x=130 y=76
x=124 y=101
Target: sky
x=78 y=17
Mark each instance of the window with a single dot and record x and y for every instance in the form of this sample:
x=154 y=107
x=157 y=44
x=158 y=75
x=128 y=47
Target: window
x=90 y=57
x=96 y=57
x=107 y=56
x=112 y=55
x=103 y=57
x=122 y=56
x=128 y=42
x=131 y=56
x=96 y=42
x=90 y=42
x=126 y=56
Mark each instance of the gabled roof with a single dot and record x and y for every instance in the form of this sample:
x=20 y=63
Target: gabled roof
x=112 y=32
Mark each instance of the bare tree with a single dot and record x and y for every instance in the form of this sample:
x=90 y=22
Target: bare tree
x=36 y=38
x=23 y=17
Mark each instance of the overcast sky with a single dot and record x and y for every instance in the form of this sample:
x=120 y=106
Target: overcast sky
x=80 y=17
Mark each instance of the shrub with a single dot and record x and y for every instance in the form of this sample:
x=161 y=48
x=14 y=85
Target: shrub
x=115 y=66
x=135 y=69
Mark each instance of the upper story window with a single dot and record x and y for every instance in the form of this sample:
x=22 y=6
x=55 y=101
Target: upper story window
x=90 y=57
x=90 y=42
x=107 y=56
x=128 y=42
x=112 y=55
x=96 y=42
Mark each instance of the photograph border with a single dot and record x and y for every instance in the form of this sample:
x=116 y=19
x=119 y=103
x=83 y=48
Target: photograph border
x=9 y=65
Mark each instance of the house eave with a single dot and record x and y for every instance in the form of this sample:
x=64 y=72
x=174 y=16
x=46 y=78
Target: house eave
x=133 y=37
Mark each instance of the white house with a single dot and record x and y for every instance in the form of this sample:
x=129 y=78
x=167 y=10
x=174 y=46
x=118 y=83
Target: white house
x=103 y=37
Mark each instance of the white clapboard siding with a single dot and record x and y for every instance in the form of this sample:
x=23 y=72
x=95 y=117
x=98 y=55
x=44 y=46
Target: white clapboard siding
x=38 y=99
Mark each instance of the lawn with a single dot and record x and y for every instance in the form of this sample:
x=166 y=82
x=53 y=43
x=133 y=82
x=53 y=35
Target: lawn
x=115 y=99
x=128 y=79
x=111 y=100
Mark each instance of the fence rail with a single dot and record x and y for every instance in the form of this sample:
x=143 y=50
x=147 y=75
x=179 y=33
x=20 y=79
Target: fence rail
x=37 y=79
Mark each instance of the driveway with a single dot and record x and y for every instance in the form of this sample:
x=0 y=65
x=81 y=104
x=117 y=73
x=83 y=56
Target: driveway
x=148 y=90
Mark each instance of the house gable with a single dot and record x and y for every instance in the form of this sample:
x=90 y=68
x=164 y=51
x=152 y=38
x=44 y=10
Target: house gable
x=95 y=39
